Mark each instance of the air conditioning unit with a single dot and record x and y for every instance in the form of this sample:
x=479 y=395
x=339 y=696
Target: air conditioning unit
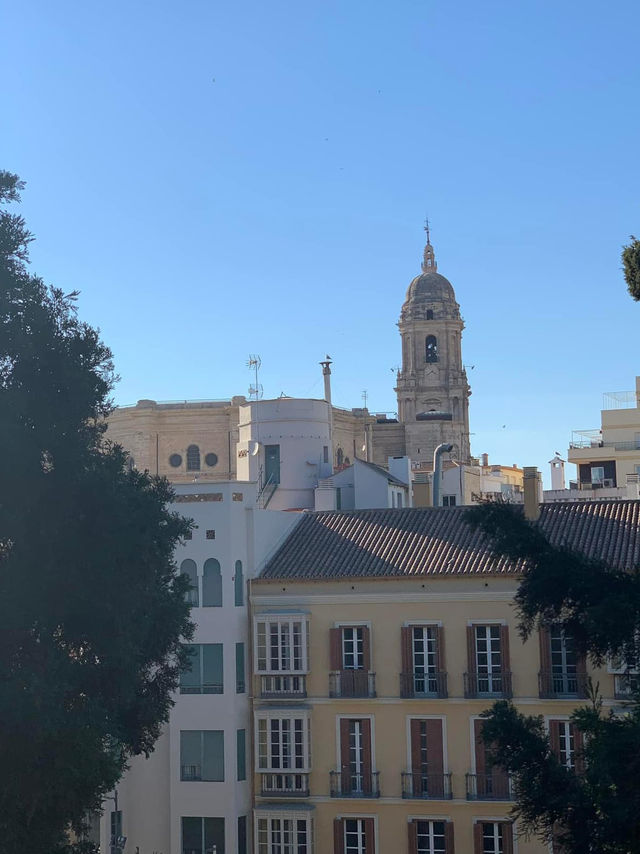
x=607 y=482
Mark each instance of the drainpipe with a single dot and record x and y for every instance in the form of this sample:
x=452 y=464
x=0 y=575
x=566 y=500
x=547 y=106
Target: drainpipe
x=444 y=448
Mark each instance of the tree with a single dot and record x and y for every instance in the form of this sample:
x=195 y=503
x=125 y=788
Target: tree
x=631 y=266
x=595 y=810
x=92 y=611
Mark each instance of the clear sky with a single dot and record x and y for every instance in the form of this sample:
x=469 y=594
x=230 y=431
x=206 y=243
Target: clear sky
x=225 y=178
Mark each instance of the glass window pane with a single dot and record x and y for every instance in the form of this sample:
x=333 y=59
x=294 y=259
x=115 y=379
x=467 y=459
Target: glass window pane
x=213 y=755
x=190 y=679
x=239 y=584
x=188 y=567
x=242 y=834
x=214 y=835
x=212 y=663
x=241 y=754
x=191 y=754
x=211 y=584
x=192 y=836
x=240 y=683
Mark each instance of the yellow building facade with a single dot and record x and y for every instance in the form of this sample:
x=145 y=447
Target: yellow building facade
x=379 y=638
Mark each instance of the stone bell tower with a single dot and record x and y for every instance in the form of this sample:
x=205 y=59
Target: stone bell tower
x=432 y=388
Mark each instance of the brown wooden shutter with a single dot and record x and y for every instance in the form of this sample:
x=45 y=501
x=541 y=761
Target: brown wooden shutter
x=338 y=836
x=481 y=759
x=439 y=634
x=578 y=746
x=413 y=837
x=554 y=737
x=504 y=649
x=581 y=673
x=507 y=837
x=345 y=776
x=435 y=756
x=471 y=650
x=366 y=648
x=335 y=649
x=406 y=633
x=477 y=838
x=369 y=836
x=545 y=649
x=366 y=754
x=449 y=845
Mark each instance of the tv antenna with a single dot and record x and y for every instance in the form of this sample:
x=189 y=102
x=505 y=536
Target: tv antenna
x=365 y=397
x=255 y=389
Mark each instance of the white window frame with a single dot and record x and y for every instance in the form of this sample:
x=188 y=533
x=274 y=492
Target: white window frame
x=281 y=620
x=280 y=715
x=285 y=815
x=361 y=815
x=431 y=820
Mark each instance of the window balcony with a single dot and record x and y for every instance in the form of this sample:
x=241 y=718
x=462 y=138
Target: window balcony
x=352 y=683
x=426 y=786
x=481 y=685
x=423 y=685
x=203 y=688
x=190 y=772
x=289 y=686
x=625 y=685
x=558 y=685
x=496 y=786
x=285 y=785
x=344 y=784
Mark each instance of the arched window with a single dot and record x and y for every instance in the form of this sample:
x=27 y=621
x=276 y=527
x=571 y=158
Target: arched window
x=211 y=584
x=431 y=349
x=193 y=458
x=238 y=584
x=339 y=456
x=188 y=567
x=429 y=314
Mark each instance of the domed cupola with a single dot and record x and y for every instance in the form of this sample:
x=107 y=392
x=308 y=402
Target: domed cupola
x=430 y=292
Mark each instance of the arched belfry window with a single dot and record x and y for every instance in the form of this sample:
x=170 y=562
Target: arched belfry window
x=193 y=458
x=429 y=314
x=431 y=349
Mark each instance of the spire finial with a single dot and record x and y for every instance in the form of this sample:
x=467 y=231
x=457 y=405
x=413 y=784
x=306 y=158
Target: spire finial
x=429 y=259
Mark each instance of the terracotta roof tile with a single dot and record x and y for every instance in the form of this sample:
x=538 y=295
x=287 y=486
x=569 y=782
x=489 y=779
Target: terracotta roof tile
x=437 y=541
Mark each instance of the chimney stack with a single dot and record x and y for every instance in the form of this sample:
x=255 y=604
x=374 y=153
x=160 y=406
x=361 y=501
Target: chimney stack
x=485 y=460
x=532 y=489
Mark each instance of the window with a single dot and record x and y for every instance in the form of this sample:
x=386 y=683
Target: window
x=205 y=674
x=283 y=753
x=429 y=314
x=430 y=837
x=281 y=645
x=489 y=782
x=115 y=827
x=175 y=461
x=241 y=754
x=426 y=778
x=210 y=534
x=211 y=459
x=211 y=584
x=238 y=584
x=350 y=660
x=240 y=680
x=202 y=755
x=597 y=474
x=242 y=834
x=431 y=349
x=325 y=454
x=562 y=669
x=354 y=836
x=193 y=458
x=188 y=567
x=353 y=647
x=355 y=776
x=448 y=501
x=566 y=742
x=422 y=666
x=488 y=653
x=493 y=837
x=202 y=835
x=283 y=834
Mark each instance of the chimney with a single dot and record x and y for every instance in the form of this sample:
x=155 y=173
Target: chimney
x=532 y=487
x=485 y=459
x=557 y=473
x=326 y=373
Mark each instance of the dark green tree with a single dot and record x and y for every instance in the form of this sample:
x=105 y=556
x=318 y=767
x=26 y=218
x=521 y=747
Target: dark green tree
x=595 y=810
x=92 y=611
x=631 y=266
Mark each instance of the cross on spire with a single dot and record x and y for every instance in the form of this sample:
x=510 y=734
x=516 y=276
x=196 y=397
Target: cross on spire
x=429 y=258
x=426 y=228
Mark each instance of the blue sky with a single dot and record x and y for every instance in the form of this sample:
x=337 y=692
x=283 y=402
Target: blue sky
x=221 y=178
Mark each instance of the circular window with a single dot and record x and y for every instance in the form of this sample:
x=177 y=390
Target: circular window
x=211 y=459
x=175 y=460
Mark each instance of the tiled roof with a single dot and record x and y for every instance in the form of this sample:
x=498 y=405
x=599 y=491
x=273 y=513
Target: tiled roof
x=438 y=541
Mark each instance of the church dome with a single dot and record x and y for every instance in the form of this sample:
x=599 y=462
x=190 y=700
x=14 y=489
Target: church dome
x=430 y=294
x=430 y=287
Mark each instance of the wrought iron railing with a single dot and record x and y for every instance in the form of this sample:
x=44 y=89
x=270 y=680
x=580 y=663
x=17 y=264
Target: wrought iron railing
x=553 y=684
x=494 y=786
x=352 y=683
x=190 y=772
x=346 y=784
x=203 y=688
x=423 y=684
x=285 y=685
x=285 y=785
x=494 y=684
x=415 y=784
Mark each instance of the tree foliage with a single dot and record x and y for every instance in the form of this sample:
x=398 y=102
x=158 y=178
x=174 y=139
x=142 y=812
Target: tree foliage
x=631 y=266
x=92 y=612
x=596 y=811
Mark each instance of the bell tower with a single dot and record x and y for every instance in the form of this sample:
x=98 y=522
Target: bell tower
x=432 y=388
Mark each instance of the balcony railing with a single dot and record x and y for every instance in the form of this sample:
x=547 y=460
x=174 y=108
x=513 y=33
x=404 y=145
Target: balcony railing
x=345 y=784
x=190 y=772
x=625 y=686
x=496 y=786
x=426 y=786
x=495 y=684
x=285 y=785
x=352 y=683
x=286 y=685
x=203 y=688
x=423 y=685
x=553 y=685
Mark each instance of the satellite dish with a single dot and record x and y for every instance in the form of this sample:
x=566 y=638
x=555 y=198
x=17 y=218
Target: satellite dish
x=254 y=448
